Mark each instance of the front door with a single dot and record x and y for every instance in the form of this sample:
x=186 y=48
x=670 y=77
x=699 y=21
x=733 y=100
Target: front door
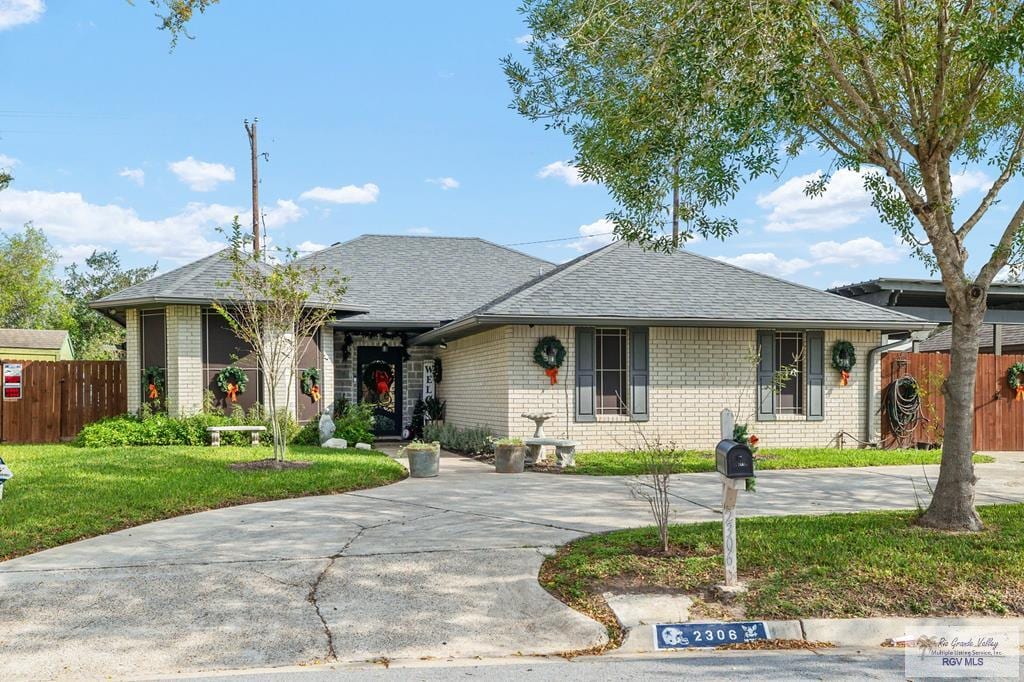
x=380 y=385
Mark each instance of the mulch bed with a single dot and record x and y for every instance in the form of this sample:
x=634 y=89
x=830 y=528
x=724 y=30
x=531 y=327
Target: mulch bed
x=269 y=464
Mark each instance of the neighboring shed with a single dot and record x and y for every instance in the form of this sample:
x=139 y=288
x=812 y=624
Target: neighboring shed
x=35 y=344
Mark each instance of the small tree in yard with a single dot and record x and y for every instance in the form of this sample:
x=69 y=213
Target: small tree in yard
x=275 y=307
x=652 y=486
x=907 y=93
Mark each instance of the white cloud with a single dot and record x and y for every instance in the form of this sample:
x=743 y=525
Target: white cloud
x=69 y=219
x=201 y=176
x=855 y=252
x=524 y=39
x=349 y=194
x=76 y=253
x=444 y=183
x=419 y=230
x=564 y=171
x=308 y=247
x=17 y=12
x=968 y=181
x=845 y=202
x=285 y=211
x=593 y=235
x=767 y=263
x=136 y=175
x=8 y=161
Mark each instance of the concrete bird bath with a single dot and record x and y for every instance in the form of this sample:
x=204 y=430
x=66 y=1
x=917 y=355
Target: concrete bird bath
x=535 y=453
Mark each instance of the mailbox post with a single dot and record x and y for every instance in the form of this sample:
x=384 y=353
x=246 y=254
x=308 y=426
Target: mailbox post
x=735 y=463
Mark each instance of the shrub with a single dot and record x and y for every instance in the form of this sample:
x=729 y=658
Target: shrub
x=309 y=434
x=354 y=423
x=471 y=441
x=156 y=428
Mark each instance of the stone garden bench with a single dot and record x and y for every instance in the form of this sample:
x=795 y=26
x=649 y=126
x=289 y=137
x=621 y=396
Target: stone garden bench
x=565 y=450
x=215 y=432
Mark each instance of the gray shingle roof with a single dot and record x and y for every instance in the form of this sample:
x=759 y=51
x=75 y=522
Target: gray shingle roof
x=198 y=282
x=426 y=280
x=1013 y=337
x=45 y=339
x=622 y=281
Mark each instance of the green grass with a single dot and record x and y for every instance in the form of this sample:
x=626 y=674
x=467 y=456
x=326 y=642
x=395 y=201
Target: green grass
x=692 y=461
x=840 y=565
x=61 y=493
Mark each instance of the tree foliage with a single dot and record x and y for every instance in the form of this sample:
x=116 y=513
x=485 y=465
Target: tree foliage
x=905 y=91
x=175 y=15
x=94 y=336
x=29 y=295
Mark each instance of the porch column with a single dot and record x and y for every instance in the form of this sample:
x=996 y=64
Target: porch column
x=327 y=360
x=133 y=359
x=285 y=399
x=184 y=360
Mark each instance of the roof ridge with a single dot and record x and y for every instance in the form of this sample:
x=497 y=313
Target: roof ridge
x=425 y=236
x=795 y=284
x=553 y=274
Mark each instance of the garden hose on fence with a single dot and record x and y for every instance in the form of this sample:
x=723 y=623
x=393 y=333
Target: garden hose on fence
x=904 y=406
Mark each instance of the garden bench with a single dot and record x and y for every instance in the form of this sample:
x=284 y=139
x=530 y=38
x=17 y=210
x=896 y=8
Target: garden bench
x=565 y=450
x=215 y=432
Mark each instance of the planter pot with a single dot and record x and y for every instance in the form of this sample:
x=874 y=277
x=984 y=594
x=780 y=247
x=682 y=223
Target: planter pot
x=424 y=463
x=509 y=459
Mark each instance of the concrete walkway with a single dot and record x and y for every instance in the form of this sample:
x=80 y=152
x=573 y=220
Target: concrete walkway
x=441 y=567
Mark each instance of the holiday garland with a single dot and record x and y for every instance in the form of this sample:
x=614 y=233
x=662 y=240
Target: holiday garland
x=549 y=353
x=1013 y=379
x=232 y=380
x=311 y=383
x=843 y=359
x=153 y=379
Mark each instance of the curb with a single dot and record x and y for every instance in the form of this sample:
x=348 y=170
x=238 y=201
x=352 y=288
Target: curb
x=842 y=632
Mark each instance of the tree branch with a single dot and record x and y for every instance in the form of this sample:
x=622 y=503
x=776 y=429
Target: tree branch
x=990 y=196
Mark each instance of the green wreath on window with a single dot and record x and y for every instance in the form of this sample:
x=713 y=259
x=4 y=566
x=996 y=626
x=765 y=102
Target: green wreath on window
x=310 y=383
x=232 y=380
x=1013 y=379
x=844 y=357
x=153 y=382
x=549 y=353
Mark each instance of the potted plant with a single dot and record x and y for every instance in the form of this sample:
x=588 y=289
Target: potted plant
x=424 y=458
x=509 y=455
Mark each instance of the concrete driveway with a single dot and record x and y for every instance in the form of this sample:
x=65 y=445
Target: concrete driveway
x=441 y=567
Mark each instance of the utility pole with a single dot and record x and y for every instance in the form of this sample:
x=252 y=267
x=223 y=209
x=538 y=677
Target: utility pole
x=250 y=129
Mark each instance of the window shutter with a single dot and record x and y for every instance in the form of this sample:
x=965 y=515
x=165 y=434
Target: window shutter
x=815 y=376
x=586 y=375
x=639 y=374
x=765 y=374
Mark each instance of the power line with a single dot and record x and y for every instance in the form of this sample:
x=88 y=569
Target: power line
x=561 y=239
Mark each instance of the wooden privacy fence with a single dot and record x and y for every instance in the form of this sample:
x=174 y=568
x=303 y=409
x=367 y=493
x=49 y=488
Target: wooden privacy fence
x=998 y=418
x=59 y=398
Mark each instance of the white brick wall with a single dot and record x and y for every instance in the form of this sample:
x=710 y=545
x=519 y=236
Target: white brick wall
x=133 y=358
x=490 y=379
x=184 y=360
x=327 y=361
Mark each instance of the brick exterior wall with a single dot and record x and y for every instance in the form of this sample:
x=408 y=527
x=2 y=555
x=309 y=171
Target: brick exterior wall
x=345 y=380
x=133 y=359
x=490 y=379
x=184 y=360
x=327 y=363
x=475 y=373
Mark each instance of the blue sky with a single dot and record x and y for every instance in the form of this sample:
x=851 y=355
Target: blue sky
x=377 y=118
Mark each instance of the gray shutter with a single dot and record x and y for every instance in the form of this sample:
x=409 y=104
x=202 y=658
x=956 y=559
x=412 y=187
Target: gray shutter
x=639 y=374
x=586 y=375
x=815 y=376
x=765 y=374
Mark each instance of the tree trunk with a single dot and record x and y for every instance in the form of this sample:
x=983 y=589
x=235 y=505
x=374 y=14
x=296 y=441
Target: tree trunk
x=952 y=505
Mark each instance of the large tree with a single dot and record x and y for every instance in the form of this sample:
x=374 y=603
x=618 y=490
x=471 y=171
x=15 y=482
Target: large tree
x=29 y=295
x=906 y=91
x=94 y=336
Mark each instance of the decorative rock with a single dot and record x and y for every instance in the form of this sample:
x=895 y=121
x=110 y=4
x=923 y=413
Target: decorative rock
x=339 y=443
x=326 y=428
x=364 y=446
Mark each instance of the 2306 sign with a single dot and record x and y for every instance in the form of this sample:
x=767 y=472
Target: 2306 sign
x=687 y=635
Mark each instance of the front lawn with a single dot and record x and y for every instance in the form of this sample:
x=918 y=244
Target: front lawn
x=61 y=493
x=693 y=461
x=835 y=566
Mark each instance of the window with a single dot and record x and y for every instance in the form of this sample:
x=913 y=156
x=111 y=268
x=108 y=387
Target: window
x=610 y=368
x=789 y=372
